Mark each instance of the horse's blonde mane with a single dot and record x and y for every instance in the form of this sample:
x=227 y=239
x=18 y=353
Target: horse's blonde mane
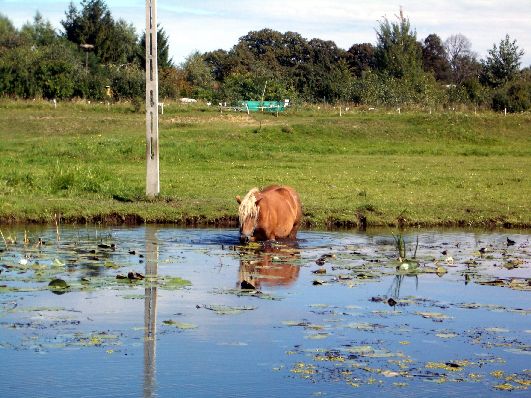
x=248 y=208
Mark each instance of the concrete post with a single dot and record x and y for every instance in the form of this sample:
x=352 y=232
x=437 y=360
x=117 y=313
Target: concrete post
x=152 y=99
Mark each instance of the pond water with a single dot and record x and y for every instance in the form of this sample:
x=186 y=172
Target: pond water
x=159 y=311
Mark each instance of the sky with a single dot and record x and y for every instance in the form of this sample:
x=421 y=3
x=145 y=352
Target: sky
x=206 y=25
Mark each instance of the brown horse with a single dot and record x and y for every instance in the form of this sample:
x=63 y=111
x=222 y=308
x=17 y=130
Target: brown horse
x=270 y=214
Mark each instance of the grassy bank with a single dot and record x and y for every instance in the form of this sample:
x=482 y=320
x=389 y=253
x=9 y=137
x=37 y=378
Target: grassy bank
x=85 y=162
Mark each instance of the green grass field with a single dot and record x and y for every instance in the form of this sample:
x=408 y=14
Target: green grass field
x=86 y=162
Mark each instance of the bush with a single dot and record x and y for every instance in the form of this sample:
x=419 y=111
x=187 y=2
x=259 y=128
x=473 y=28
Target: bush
x=514 y=96
x=127 y=82
x=381 y=89
x=49 y=71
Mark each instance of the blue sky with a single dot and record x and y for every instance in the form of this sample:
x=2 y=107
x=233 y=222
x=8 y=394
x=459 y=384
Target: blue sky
x=206 y=25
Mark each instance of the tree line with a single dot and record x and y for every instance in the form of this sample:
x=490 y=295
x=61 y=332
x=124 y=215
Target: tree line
x=95 y=51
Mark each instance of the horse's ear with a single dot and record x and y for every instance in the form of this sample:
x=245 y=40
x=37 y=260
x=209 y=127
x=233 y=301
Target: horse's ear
x=238 y=199
x=258 y=197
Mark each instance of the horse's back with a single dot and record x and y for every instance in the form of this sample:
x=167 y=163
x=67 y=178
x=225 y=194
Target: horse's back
x=280 y=205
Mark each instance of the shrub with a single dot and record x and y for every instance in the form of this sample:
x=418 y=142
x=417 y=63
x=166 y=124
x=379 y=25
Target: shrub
x=514 y=96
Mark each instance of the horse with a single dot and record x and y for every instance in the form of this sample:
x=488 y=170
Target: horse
x=273 y=213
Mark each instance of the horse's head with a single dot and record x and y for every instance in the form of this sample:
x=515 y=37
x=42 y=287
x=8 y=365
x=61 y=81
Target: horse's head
x=248 y=214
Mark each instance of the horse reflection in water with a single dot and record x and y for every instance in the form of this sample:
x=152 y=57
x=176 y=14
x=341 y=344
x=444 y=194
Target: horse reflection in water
x=268 y=266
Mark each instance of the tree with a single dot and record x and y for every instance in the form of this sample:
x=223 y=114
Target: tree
x=502 y=63
x=91 y=25
x=435 y=59
x=397 y=51
x=258 y=50
x=328 y=71
x=9 y=37
x=198 y=75
x=123 y=47
x=262 y=42
x=515 y=96
x=172 y=83
x=220 y=63
x=462 y=59
x=163 y=50
x=40 y=32
x=295 y=50
x=113 y=42
x=49 y=71
x=57 y=69
x=361 y=58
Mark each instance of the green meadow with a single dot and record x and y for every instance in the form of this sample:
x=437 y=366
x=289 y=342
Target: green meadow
x=84 y=162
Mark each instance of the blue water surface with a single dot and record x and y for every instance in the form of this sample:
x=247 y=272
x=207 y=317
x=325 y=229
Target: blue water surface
x=354 y=325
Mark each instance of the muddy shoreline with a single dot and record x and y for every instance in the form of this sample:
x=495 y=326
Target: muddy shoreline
x=231 y=221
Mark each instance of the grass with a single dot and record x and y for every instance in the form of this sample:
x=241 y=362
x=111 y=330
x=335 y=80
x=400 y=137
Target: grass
x=86 y=162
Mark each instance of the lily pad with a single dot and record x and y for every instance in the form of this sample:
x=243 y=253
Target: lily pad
x=58 y=286
x=436 y=316
x=180 y=325
x=173 y=283
x=227 y=310
x=446 y=335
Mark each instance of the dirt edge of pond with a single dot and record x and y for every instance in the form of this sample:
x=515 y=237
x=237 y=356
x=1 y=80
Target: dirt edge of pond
x=226 y=221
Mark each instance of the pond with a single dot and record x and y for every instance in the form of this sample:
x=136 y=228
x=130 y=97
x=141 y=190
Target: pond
x=157 y=311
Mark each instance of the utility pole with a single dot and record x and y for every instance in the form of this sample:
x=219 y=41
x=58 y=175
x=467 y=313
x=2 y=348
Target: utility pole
x=152 y=102
x=86 y=48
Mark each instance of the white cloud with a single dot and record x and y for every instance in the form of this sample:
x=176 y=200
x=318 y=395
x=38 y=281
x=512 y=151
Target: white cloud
x=210 y=24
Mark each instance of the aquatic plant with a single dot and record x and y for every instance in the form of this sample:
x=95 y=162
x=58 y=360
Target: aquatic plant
x=400 y=245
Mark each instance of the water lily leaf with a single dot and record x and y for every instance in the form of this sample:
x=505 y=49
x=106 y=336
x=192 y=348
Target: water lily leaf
x=440 y=270
x=110 y=264
x=172 y=283
x=133 y=296
x=58 y=284
x=361 y=350
x=446 y=335
x=389 y=373
x=180 y=325
x=295 y=323
x=227 y=310
x=437 y=316
x=519 y=351
x=504 y=387
x=304 y=369
x=317 y=336
x=520 y=284
x=497 y=330
x=364 y=326
x=383 y=354
x=58 y=263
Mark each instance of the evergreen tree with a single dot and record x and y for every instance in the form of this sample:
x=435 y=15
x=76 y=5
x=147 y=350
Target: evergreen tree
x=93 y=24
x=40 y=32
x=397 y=51
x=163 y=50
x=502 y=63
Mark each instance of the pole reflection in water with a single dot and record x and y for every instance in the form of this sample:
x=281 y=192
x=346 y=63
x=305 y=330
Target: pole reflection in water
x=150 y=313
